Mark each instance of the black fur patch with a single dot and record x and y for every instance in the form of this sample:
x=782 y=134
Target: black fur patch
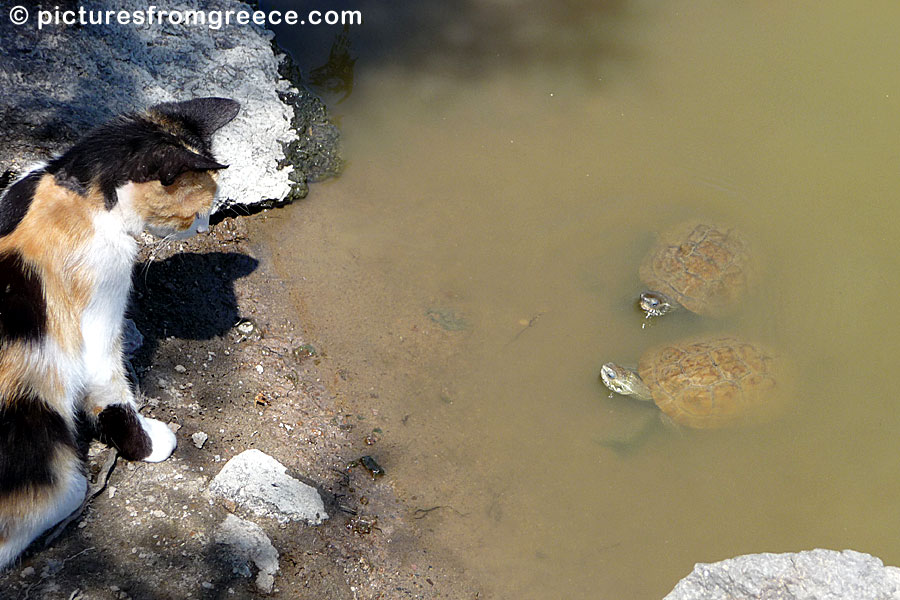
x=7 y=178
x=29 y=431
x=135 y=148
x=23 y=311
x=201 y=116
x=15 y=203
x=120 y=428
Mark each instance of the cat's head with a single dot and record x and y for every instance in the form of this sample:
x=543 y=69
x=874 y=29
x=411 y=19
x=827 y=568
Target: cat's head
x=157 y=166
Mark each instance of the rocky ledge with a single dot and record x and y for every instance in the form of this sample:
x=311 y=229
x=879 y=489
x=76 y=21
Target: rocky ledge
x=60 y=81
x=812 y=575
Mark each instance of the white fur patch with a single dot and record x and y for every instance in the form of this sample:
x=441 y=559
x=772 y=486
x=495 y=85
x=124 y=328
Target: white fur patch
x=163 y=439
x=124 y=210
x=110 y=256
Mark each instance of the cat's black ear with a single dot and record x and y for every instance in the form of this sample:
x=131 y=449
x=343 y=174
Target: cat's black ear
x=205 y=115
x=176 y=161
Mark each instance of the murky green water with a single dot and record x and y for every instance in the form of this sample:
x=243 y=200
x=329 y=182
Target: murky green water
x=508 y=165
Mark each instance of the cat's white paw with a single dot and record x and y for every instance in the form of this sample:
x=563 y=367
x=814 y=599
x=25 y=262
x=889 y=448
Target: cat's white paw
x=162 y=438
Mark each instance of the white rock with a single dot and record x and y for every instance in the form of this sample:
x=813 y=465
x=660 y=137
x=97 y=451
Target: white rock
x=123 y=69
x=199 y=438
x=260 y=483
x=249 y=543
x=811 y=575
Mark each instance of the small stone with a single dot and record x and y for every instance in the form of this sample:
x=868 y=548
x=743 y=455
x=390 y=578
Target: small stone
x=249 y=543
x=265 y=582
x=51 y=568
x=199 y=439
x=112 y=491
x=27 y=572
x=259 y=369
x=180 y=368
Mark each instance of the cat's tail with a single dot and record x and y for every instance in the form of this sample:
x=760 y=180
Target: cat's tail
x=42 y=477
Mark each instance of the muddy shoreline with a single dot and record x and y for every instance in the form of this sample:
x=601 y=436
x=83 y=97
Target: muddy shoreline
x=225 y=354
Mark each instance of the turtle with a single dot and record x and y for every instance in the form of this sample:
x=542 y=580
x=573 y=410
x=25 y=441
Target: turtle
x=701 y=267
x=705 y=383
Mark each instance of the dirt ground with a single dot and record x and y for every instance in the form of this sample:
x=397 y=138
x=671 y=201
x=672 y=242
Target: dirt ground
x=223 y=355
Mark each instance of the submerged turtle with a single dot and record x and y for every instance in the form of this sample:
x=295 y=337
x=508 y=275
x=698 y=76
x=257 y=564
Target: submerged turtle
x=703 y=268
x=704 y=384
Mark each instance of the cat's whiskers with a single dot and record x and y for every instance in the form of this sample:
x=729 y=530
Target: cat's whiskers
x=157 y=250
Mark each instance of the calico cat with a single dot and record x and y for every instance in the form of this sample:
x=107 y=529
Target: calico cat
x=67 y=247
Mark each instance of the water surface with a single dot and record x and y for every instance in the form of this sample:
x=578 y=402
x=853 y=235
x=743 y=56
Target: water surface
x=508 y=165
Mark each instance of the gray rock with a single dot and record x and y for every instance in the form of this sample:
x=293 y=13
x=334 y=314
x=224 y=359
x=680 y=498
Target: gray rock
x=199 y=438
x=810 y=575
x=60 y=81
x=247 y=542
x=260 y=483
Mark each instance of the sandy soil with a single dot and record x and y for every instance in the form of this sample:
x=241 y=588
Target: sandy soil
x=223 y=355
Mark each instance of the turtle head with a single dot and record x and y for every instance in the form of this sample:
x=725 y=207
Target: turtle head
x=624 y=381
x=655 y=304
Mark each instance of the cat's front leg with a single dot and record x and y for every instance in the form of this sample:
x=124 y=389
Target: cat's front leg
x=120 y=425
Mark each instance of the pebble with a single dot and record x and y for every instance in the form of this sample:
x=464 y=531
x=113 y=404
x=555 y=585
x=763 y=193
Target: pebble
x=27 y=572
x=199 y=438
x=180 y=368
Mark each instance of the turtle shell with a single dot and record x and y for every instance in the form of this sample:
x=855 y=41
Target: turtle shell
x=705 y=268
x=710 y=383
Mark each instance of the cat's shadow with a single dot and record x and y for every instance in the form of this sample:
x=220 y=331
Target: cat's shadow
x=188 y=296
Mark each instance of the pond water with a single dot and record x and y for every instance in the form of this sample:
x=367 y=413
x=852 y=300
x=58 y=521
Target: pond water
x=508 y=166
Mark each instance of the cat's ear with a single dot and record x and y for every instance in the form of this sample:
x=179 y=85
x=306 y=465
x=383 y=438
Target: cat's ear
x=205 y=115
x=176 y=161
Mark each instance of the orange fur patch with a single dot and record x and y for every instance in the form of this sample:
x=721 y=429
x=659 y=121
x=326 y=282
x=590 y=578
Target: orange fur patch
x=177 y=205
x=57 y=225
